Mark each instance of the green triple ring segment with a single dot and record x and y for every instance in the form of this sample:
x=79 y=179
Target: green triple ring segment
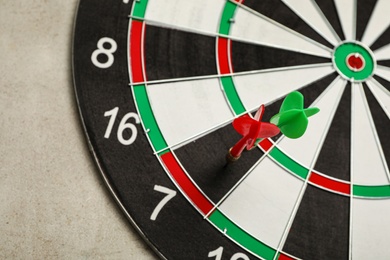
x=346 y=50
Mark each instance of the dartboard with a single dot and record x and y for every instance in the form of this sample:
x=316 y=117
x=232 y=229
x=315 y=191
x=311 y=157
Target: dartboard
x=159 y=83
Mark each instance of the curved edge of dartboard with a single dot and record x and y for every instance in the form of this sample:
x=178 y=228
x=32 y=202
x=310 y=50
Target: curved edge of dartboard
x=136 y=178
x=95 y=158
x=142 y=171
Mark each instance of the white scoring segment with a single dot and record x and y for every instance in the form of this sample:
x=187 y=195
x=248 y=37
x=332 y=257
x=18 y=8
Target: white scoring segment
x=346 y=10
x=382 y=53
x=370 y=227
x=309 y=11
x=255 y=28
x=381 y=94
x=305 y=149
x=270 y=85
x=367 y=158
x=201 y=15
x=263 y=203
x=186 y=109
x=378 y=23
x=383 y=72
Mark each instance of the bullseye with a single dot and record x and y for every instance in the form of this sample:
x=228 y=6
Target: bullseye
x=355 y=62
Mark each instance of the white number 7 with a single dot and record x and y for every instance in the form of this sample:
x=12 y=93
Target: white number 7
x=170 y=194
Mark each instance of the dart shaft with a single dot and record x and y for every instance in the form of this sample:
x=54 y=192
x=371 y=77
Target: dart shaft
x=236 y=151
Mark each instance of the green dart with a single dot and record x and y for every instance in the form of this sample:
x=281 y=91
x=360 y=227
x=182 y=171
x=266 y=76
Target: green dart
x=292 y=118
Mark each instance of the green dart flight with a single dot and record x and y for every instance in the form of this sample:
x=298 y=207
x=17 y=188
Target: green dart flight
x=292 y=118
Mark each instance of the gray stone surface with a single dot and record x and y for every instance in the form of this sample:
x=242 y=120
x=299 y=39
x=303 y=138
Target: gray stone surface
x=53 y=203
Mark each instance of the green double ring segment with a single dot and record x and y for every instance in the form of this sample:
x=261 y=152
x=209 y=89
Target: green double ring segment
x=346 y=50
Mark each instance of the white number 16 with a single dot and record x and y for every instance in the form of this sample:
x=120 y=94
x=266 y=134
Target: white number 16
x=123 y=125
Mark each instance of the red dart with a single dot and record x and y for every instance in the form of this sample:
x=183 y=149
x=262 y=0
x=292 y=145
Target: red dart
x=251 y=130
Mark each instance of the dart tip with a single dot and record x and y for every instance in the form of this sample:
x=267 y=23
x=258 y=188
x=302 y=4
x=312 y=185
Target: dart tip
x=230 y=158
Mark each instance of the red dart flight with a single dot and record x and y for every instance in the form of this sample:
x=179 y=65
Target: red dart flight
x=251 y=130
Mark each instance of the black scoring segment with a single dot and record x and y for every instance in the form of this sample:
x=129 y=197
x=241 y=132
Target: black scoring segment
x=383 y=82
x=205 y=162
x=172 y=54
x=248 y=57
x=385 y=63
x=364 y=12
x=321 y=227
x=382 y=41
x=329 y=9
x=335 y=156
x=381 y=120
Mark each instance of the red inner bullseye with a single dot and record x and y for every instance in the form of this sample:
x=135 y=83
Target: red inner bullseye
x=355 y=62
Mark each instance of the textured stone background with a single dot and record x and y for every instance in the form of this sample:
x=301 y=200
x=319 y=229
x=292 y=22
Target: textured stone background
x=53 y=203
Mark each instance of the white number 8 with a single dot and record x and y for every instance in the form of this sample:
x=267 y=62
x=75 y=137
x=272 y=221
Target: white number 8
x=103 y=51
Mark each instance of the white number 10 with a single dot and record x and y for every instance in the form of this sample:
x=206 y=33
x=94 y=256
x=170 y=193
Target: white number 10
x=217 y=253
x=123 y=125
